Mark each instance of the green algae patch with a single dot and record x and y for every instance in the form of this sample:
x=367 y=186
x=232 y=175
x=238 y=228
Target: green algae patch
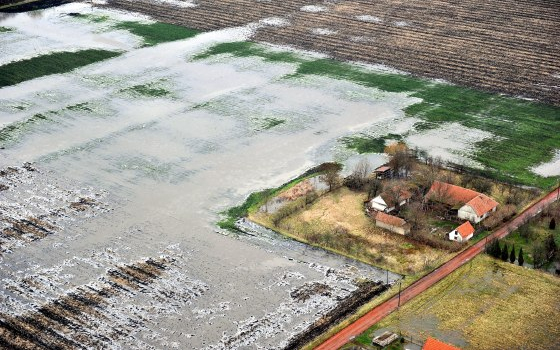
x=52 y=63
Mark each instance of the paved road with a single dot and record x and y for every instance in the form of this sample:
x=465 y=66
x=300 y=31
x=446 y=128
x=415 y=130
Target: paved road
x=378 y=313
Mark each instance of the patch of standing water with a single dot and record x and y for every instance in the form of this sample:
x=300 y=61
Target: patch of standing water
x=173 y=163
x=551 y=168
x=53 y=30
x=452 y=142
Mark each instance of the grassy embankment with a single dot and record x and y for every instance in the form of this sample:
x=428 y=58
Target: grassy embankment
x=486 y=304
x=525 y=131
x=257 y=199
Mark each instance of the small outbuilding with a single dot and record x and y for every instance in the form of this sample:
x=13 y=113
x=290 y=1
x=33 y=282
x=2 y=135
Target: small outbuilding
x=387 y=203
x=383 y=172
x=462 y=233
x=392 y=223
x=385 y=339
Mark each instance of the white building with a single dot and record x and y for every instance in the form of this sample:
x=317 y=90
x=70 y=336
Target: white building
x=462 y=233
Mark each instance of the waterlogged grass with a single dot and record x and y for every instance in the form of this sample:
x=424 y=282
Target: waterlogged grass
x=157 y=33
x=248 y=49
x=526 y=132
x=53 y=63
x=83 y=107
x=269 y=123
x=366 y=144
x=91 y=17
x=147 y=90
x=12 y=132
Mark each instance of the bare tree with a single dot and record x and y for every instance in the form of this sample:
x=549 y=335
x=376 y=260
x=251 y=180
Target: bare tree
x=415 y=216
x=331 y=177
x=359 y=177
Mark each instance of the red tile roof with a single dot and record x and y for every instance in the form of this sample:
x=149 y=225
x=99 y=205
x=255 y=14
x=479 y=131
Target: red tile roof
x=465 y=229
x=390 y=219
x=457 y=195
x=434 y=344
x=482 y=204
x=450 y=194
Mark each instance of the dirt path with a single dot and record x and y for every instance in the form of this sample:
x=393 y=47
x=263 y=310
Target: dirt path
x=427 y=281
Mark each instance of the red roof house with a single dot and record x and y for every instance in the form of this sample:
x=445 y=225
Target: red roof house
x=473 y=206
x=462 y=233
x=434 y=344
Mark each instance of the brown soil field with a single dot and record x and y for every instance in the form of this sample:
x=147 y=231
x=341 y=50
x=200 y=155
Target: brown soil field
x=501 y=45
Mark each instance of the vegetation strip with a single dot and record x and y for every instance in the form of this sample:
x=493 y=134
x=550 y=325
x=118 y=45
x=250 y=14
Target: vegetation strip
x=157 y=33
x=524 y=131
x=52 y=63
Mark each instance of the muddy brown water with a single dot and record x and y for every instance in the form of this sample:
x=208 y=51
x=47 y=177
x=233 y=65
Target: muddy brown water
x=133 y=179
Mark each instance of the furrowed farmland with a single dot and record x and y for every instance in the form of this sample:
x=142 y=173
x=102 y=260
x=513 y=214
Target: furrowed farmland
x=500 y=46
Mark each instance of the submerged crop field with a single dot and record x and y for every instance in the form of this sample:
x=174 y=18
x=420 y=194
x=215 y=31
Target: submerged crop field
x=114 y=172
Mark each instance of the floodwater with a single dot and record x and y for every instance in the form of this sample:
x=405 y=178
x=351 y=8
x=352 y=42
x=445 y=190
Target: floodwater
x=119 y=178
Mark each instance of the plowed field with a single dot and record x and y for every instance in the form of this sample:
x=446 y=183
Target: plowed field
x=501 y=45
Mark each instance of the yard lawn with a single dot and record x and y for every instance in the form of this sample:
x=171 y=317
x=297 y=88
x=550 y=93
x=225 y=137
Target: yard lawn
x=342 y=211
x=486 y=304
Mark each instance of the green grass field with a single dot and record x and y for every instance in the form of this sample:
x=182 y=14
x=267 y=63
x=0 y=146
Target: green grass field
x=52 y=63
x=526 y=132
x=157 y=33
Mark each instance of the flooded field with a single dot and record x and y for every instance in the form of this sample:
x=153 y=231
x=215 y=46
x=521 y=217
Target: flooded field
x=108 y=235
x=114 y=172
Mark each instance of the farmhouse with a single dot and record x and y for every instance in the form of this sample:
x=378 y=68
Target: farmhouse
x=462 y=233
x=392 y=223
x=387 y=201
x=434 y=344
x=471 y=205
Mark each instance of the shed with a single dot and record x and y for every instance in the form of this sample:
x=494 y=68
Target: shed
x=392 y=223
x=462 y=233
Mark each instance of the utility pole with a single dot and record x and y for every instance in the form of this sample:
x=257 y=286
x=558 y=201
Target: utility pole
x=399 y=305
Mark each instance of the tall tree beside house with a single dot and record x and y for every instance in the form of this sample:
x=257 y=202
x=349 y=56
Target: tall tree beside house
x=552 y=224
x=331 y=177
x=520 y=259
x=505 y=252
x=512 y=254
